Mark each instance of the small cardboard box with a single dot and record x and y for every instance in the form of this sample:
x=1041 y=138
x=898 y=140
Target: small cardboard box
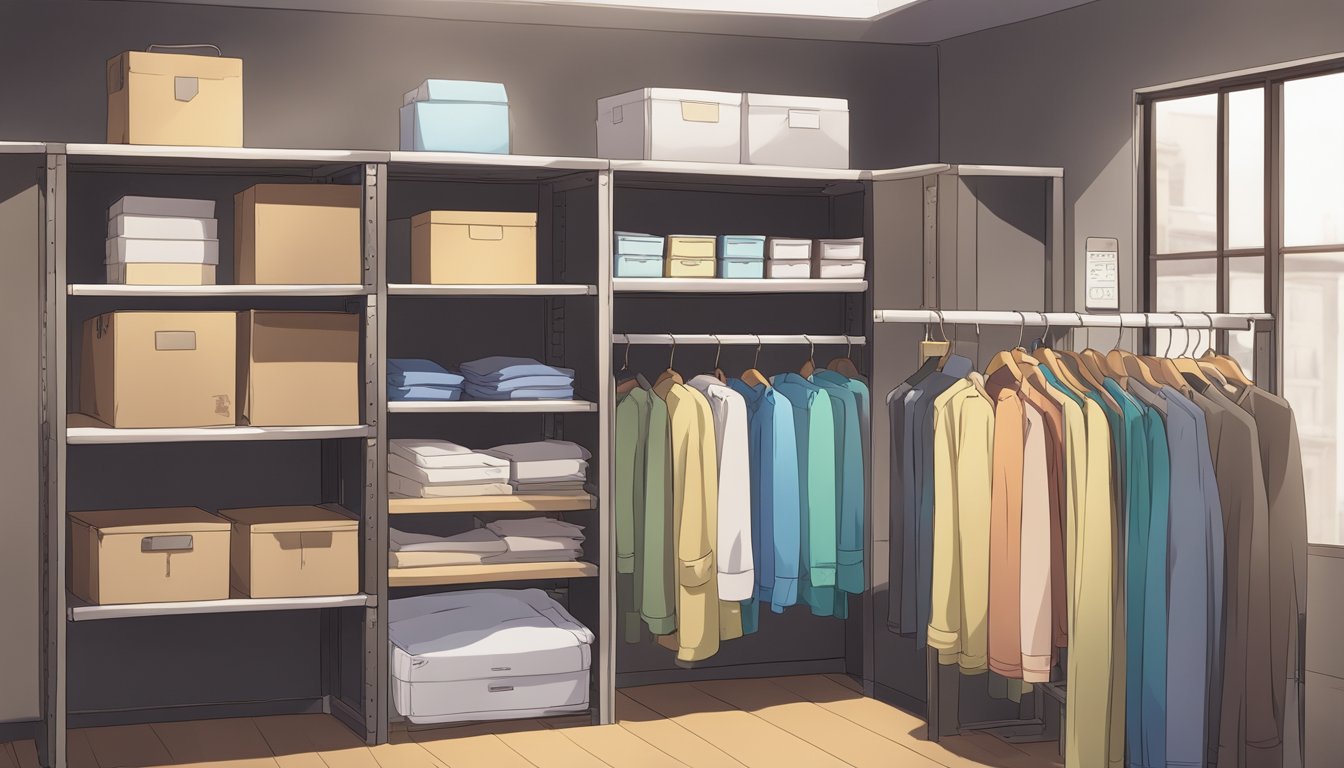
x=120 y=556
x=296 y=234
x=474 y=248
x=298 y=369
x=160 y=274
x=159 y=369
x=293 y=552
x=174 y=99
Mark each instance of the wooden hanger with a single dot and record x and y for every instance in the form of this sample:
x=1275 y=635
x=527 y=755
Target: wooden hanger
x=845 y=365
x=671 y=373
x=630 y=384
x=1055 y=363
x=718 y=372
x=1186 y=364
x=810 y=366
x=1228 y=366
x=753 y=377
x=1005 y=359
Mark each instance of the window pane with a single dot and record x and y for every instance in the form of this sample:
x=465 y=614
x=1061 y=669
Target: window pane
x=1185 y=174
x=1184 y=285
x=1313 y=362
x=1246 y=169
x=1246 y=293
x=1313 y=154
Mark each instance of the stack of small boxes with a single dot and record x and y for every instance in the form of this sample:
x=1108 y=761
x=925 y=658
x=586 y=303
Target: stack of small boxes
x=742 y=256
x=162 y=241
x=639 y=255
x=690 y=256
x=839 y=259
x=788 y=258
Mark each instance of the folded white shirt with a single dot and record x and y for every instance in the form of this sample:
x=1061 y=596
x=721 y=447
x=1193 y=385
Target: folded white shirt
x=441 y=454
x=480 y=541
x=546 y=527
x=404 y=486
x=520 y=544
x=554 y=470
x=543 y=450
x=447 y=475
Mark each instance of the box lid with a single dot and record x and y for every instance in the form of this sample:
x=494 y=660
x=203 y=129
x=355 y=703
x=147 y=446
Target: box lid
x=157 y=520
x=796 y=102
x=183 y=65
x=482 y=218
x=290 y=519
x=472 y=91
x=669 y=94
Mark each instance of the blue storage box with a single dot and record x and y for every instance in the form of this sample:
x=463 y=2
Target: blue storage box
x=456 y=116
x=742 y=247
x=742 y=268
x=639 y=255
x=630 y=265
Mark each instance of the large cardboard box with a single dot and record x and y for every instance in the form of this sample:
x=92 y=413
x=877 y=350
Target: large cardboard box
x=120 y=556
x=293 y=552
x=298 y=369
x=159 y=369
x=294 y=234
x=174 y=99
x=474 y=248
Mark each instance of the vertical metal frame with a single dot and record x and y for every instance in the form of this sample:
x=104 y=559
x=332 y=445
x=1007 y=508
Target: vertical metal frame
x=376 y=671
x=606 y=654
x=53 y=385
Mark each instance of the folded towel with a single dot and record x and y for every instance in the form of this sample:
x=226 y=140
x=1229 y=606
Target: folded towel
x=535 y=393
x=420 y=372
x=525 y=382
x=481 y=541
x=423 y=393
x=408 y=488
x=544 y=527
x=433 y=559
x=541 y=450
x=501 y=368
x=496 y=471
x=441 y=454
x=558 y=471
x=573 y=488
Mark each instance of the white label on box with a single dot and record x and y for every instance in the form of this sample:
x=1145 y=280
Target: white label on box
x=1102 y=280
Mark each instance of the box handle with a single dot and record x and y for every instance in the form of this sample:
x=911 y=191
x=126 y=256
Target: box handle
x=699 y=112
x=169 y=544
x=500 y=688
x=215 y=48
x=484 y=232
x=809 y=119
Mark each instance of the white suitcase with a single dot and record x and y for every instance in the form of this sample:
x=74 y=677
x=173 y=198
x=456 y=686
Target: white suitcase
x=450 y=662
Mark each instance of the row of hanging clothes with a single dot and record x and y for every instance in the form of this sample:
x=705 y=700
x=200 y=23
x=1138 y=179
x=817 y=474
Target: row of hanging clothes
x=737 y=495
x=1145 y=513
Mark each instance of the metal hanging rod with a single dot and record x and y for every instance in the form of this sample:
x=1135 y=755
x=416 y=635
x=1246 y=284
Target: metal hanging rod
x=1215 y=320
x=730 y=339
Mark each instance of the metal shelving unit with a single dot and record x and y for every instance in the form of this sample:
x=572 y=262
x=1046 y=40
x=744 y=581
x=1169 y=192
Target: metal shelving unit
x=246 y=291
x=493 y=406
x=730 y=285
x=78 y=611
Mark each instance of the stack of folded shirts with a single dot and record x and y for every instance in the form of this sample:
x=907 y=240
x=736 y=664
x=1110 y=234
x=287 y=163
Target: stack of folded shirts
x=440 y=469
x=517 y=378
x=162 y=241
x=537 y=540
x=417 y=379
x=419 y=550
x=548 y=466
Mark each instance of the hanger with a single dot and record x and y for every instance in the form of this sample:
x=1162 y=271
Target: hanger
x=932 y=353
x=718 y=352
x=631 y=384
x=1128 y=364
x=671 y=373
x=1003 y=359
x=1186 y=364
x=1227 y=365
x=1094 y=362
x=810 y=366
x=1055 y=362
x=753 y=377
x=845 y=365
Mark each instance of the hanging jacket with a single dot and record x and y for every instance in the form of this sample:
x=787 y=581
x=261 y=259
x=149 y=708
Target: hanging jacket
x=1005 y=524
x=658 y=601
x=854 y=496
x=632 y=432
x=735 y=564
x=814 y=427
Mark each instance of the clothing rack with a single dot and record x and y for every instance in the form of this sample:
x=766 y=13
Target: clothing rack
x=1193 y=320
x=734 y=339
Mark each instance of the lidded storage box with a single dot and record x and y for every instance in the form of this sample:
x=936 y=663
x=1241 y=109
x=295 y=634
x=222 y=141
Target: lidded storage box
x=690 y=256
x=795 y=130
x=456 y=116
x=474 y=248
x=298 y=551
x=742 y=256
x=639 y=255
x=159 y=369
x=175 y=99
x=671 y=124
x=292 y=234
x=174 y=554
x=298 y=369
x=788 y=249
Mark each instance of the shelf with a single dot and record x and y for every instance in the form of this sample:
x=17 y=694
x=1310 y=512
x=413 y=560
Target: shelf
x=97 y=289
x=492 y=406
x=478 y=160
x=721 y=285
x=82 y=430
x=78 y=610
x=484 y=574
x=22 y=148
x=410 y=289
x=733 y=169
x=130 y=154
x=493 y=504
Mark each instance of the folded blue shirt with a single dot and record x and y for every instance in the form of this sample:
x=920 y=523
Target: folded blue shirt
x=525 y=382
x=492 y=369
x=535 y=393
x=420 y=372
x=424 y=393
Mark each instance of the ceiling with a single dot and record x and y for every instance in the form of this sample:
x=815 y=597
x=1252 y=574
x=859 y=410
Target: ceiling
x=922 y=21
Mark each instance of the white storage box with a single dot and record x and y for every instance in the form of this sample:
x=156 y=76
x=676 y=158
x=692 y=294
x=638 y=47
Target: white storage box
x=130 y=250
x=788 y=249
x=486 y=654
x=162 y=206
x=795 y=130
x=848 y=249
x=840 y=269
x=788 y=269
x=671 y=124
x=162 y=227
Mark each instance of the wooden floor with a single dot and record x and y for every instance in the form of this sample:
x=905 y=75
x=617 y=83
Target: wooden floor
x=816 y=721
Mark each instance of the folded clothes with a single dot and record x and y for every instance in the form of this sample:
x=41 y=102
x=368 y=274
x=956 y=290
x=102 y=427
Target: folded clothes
x=497 y=471
x=433 y=559
x=541 y=450
x=419 y=372
x=499 y=368
x=526 y=382
x=558 y=471
x=574 y=488
x=439 y=454
x=422 y=393
x=480 y=541
x=556 y=556
x=534 y=393
x=547 y=527
x=408 y=488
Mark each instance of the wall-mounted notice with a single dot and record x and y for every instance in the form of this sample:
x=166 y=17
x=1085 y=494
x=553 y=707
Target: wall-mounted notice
x=1103 y=274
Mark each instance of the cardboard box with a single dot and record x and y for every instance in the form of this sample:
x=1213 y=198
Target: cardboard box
x=159 y=369
x=120 y=556
x=161 y=274
x=174 y=99
x=298 y=369
x=295 y=234
x=293 y=552
x=474 y=248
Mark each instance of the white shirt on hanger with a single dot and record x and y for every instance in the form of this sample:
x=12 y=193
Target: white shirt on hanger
x=736 y=569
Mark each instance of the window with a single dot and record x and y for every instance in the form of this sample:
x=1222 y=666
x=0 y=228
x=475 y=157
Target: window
x=1243 y=205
